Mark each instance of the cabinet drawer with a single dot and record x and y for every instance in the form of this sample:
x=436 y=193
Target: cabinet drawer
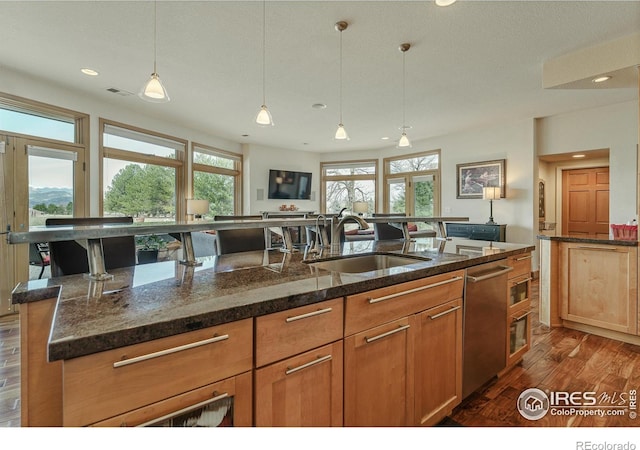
x=234 y=391
x=521 y=265
x=290 y=332
x=372 y=308
x=105 y=384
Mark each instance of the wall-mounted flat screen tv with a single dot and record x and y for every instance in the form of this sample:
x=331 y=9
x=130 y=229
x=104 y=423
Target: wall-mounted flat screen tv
x=287 y=184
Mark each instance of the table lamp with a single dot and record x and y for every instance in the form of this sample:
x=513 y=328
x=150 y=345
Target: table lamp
x=197 y=207
x=360 y=208
x=491 y=193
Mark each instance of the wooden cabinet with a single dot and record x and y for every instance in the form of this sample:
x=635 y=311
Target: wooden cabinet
x=392 y=362
x=518 y=308
x=598 y=286
x=107 y=384
x=299 y=358
x=438 y=362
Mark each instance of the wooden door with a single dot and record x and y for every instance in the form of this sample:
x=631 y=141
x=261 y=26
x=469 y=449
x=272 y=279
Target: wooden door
x=378 y=375
x=585 y=202
x=438 y=362
x=304 y=390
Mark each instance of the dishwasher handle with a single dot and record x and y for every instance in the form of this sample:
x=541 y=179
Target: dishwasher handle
x=503 y=270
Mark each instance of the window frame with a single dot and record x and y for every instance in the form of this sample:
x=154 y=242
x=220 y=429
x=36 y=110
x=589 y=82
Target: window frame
x=408 y=176
x=178 y=163
x=325 y=178
x=236 y=172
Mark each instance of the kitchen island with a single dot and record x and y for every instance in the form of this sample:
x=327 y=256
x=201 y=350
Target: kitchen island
x=72 y=320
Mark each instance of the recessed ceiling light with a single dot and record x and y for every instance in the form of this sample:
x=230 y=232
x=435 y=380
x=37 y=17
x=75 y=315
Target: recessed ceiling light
x=89 y=72
x=578 y=156
x=318 y=106
x=385 y=138
x=601 y=79
x=445 y=2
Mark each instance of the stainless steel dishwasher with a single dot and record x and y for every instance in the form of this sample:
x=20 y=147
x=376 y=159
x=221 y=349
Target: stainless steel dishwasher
x=485 y=324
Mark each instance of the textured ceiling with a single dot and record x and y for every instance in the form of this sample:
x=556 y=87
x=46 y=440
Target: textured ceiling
x=470 y=64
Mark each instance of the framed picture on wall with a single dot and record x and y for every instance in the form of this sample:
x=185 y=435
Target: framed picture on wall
x=472 y=177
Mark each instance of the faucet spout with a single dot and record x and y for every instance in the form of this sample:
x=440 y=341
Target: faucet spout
x=338 y=228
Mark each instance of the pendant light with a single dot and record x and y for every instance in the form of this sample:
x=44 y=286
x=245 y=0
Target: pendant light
x=404 y=140
x=263 y=118
x=341 y=133
x=153 y=90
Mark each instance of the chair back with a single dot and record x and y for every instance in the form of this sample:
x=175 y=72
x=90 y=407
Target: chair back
x=69 y=257
x=241 y=239
x=384 y=231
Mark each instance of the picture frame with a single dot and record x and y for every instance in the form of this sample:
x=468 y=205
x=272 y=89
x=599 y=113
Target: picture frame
x=472 y=177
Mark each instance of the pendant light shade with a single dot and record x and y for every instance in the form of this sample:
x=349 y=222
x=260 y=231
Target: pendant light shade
x=153 y=90
x=263 y=118
x=341 y=133
x=404 y=141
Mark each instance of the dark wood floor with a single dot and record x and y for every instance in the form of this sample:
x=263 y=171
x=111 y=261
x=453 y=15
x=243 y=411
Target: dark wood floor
x=560 y=359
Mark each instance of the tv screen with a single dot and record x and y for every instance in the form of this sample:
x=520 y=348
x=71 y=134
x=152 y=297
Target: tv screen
x=287 y=184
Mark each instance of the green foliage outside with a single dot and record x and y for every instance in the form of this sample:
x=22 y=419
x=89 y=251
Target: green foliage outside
x=142 y=191
x=53 y=209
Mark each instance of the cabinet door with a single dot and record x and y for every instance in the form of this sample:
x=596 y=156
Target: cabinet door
x=438 y=362
x=519 y=341
x=378 y=379
x=598 y=285
x=305 y=390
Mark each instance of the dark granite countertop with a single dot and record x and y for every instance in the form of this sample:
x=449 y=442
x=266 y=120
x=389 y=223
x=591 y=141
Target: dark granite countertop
x=152 y=301
x=625 y=242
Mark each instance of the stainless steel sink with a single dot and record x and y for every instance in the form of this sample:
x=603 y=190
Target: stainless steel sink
x=366 y=263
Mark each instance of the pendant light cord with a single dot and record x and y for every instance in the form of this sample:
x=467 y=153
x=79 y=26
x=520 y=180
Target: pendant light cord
x=404 y=82
x=155 y=35
x=264 y=40
x=340 y=90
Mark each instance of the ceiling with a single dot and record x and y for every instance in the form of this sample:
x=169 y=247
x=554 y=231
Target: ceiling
x=470 y=65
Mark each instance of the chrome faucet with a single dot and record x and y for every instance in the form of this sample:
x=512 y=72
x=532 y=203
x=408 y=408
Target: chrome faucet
x=318 y=242
x=337 y=229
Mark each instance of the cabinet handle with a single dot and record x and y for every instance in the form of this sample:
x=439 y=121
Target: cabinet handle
x=310 y=314
x=515 y=319
x=169 y=351
x=411 y=291
x=388 y=333
x=526 y=280
x=522 y=258
x=309 y=364
x=444 y=313
x=504 y=269
x=599 y=248
x=184 y=410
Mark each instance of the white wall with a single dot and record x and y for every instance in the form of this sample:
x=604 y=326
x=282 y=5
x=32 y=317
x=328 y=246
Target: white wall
x=614 y=127
x=259 y=159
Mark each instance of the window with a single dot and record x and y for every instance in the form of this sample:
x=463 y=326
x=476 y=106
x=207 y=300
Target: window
x=217 y=177
x=13 y=120
x=142 y=173
x=344 y=183
x=412 y=184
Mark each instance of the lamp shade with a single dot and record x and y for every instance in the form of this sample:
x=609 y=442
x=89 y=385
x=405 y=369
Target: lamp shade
x=491 y=193
x=360 y=207
x=197 y=207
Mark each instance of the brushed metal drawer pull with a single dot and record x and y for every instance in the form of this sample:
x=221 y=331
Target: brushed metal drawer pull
x=526 y=280
x=522 y=258
x=515 y=319
x=411 y=291
x=599 y=248
x=388 y=333
x=169 y=351
x=184 y=410
x=444 y=313
x=309 y=314
x=309 y=364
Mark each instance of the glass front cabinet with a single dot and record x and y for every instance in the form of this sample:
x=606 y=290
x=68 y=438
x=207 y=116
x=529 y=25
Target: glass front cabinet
x=518 y=318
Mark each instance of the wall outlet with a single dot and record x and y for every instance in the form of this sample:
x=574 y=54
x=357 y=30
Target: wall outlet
x=447 y=209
